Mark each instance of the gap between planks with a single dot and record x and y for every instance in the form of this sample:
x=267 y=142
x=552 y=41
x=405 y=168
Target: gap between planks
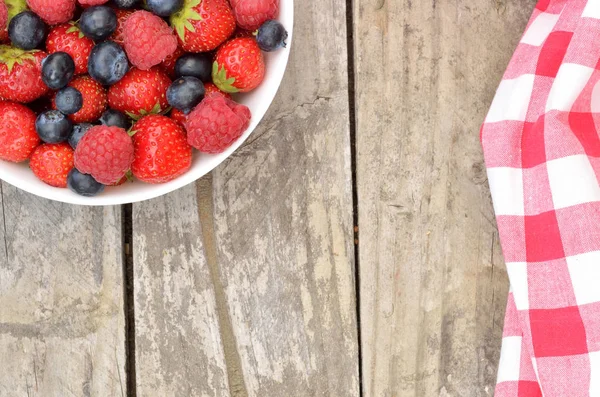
x=128 y=298
x=353 y=166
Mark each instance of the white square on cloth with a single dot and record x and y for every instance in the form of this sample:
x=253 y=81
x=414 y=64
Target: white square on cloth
x=506 y=185
x=512 y=99
x=572 y=181
x=510 y=359
x=540 y=29
x=584 y=270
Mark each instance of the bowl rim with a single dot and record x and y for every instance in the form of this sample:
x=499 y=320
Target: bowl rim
x=128 y=194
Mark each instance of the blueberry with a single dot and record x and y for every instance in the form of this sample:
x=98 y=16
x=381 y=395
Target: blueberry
x=114 y=118
x=164 y=8
x=27 y=31
x=271 y=36
x=185 y=93
x=53 y=126
x=195 y=65
x=98 y=22
x=69 y=100
x=57 y=70
x=108 y=63
x=79 y=130
x=83 y=184
x=126 y=3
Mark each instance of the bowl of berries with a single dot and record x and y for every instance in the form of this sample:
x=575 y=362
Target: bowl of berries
x=106 y=102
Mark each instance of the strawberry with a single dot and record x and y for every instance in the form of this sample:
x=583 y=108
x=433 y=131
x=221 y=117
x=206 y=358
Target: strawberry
x=94 y=100
x=210 y=88
x=168 y=65
x=52 y=162
x=18 y=138
x=21 y=74
x=68 y=38
x=140 y=92
x=161 y=150
x=203 y=25
x=178 y=116
x=14 y=7
x=122 y=16
x=239 y=66
x=250 y=14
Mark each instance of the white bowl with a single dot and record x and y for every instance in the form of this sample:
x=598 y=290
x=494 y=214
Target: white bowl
x=258 y=101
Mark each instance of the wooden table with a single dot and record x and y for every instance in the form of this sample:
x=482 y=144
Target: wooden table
x=256 y=281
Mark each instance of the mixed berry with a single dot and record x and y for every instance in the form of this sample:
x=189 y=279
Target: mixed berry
x=96 y=92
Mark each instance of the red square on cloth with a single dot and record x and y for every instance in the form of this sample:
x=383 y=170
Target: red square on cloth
x=532 y=144
x=529 y=389
x=542 y=237
x=557 y=332
x=552 y=54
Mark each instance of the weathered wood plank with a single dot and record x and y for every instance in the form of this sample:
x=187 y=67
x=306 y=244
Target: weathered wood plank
x=61 y=299
x=433 y=284
x=281 y=251
x=178 y=343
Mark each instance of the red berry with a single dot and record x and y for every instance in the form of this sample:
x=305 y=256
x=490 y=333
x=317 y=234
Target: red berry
x=161 y=150
x=179 y=116
x=18 y=138
x=3 y=15
x=94 y=100
x=105 y=153
x=239 y=66
x=210 y=89
x=118 y=35
x=168 y=65
x=140 y=92
x=216 y=123
x=250 y=14
x=203 y=25
x=148 y=39
x=68 y=38
x=53 y=11
x=52 y=162
x=21 y=74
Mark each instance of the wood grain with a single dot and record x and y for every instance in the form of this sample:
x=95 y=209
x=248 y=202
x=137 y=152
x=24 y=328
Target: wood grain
x=61 y=299
x=179 y=349
x=278 y=247
x=433 y=283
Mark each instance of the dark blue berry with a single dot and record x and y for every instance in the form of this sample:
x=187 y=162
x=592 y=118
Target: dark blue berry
x=114 y=118
x=27 y=30
x=108 y=63
x=79 y=130
x=53 y=126
x=126 y=3
x=83 y=184
x=195 y=65
x=57 y=70
x=185 y=93
x=98 y=22
x=271 y=36
x=164 y=8
x=69 y=100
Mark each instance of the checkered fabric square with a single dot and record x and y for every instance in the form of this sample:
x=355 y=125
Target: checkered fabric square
x=541 y=141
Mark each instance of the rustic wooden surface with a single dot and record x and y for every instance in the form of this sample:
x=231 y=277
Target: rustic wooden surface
x=62 y=327
x=245 y=284
x=433 y=284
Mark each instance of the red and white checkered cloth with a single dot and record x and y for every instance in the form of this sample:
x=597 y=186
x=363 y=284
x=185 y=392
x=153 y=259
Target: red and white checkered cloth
x=542 y=149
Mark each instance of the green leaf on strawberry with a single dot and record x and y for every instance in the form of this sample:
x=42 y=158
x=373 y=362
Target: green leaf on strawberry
x=12 y=56
x=221 y=80
x=15 y=7
x=181 y=20
x=155 y=110
x=74 y=28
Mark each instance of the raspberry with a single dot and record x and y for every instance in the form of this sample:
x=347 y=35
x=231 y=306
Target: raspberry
x=216 y=123
x=52 y=162
x=53 y=11
x=106 y=153
x=148 y=39
x=250 y=14
x=3 y=14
